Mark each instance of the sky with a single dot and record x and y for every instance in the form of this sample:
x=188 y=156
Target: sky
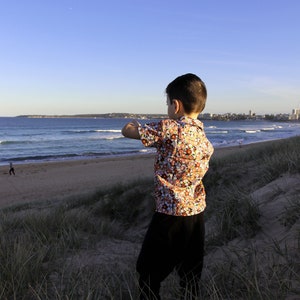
x=94 y=56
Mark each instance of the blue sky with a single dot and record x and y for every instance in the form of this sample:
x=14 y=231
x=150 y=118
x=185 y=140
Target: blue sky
x=88 y=56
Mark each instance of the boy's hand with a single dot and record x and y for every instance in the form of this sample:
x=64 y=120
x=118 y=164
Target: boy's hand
x=130 y=130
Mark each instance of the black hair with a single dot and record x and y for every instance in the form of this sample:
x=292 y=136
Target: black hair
x=190 y=90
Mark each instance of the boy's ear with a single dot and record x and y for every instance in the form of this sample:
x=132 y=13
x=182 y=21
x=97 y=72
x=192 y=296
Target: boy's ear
x=177 y=104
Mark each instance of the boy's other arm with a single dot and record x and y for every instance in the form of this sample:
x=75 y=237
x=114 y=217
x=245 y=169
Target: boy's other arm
x=130 y=130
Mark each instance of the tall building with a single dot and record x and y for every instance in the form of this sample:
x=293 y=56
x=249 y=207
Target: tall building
x=295 y=114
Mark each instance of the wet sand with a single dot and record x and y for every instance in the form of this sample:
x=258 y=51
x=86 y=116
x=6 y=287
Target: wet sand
x=50 y=181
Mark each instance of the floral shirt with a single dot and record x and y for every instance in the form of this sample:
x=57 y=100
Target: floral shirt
x=182 y=159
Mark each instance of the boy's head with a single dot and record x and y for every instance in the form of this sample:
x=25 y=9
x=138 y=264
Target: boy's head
x=190 y=90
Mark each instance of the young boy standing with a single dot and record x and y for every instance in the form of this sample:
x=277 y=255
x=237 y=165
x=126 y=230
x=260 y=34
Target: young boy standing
x=175 y=237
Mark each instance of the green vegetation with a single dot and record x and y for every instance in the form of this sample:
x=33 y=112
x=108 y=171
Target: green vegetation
x=86 y=248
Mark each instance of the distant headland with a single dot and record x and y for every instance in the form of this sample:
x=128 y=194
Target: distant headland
x=100 y=116
x=294 y=116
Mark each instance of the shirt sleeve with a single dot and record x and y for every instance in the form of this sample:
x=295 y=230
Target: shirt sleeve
x=151 y=134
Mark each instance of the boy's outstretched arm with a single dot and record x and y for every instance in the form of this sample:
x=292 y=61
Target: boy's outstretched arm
x=130 y=130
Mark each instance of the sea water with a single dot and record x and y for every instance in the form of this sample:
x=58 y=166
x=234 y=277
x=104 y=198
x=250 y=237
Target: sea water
x=24 y=140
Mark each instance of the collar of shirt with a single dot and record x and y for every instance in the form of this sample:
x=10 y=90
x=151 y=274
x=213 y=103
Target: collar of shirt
x=190 y=121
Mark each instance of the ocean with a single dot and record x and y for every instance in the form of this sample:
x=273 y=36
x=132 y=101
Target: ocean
x=32 y=140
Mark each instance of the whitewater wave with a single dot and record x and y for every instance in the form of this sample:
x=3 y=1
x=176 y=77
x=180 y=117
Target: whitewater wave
x=109 y=130
x=217 y=132
x=268 y=129
x=112 y=137
x=252 y=131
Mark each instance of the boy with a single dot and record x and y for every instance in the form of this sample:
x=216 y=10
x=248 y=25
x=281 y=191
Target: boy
x=175 y=237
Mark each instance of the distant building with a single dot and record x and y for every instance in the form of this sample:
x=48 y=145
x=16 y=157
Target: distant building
x=206 y=116
x=295 y=114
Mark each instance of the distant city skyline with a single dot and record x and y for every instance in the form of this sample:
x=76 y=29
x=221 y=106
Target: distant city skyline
x=83 y=57
x=294 y=114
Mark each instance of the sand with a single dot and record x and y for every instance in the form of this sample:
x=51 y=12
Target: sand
x=58 y=180
x=50 y=181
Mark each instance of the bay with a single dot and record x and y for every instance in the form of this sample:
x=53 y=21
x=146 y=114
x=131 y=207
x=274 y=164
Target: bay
x=24 y=140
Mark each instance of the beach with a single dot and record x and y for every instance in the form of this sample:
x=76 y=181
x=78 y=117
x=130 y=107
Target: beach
x=51 y=181
x=102 y=235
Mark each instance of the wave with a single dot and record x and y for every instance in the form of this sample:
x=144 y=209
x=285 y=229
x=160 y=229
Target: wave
x=38 y=157
x=70 y=156
x=58 y=140
x=112 y=137
x=147 y=150
x=84 y=131
x=268 y=129
x=50 y=157
x=217 y=132
x=252 y=131
x=109 y=130
x=15 y=142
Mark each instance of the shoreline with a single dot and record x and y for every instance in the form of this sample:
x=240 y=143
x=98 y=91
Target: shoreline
x=121 y=155
x=57 y=180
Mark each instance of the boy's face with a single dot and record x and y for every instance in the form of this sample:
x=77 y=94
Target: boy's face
x=171 y=109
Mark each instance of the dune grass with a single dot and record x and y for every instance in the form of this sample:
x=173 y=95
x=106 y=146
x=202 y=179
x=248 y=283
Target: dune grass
x=45 y=247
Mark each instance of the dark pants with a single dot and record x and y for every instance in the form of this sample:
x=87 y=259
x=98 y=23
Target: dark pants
x=170 y=243
x=11 y=171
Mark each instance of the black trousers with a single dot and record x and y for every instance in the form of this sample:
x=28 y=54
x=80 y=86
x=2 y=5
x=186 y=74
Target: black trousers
x=171 y=242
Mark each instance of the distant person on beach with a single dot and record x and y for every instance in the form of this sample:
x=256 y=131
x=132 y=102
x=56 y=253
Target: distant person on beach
x=11 y=169
x=175 y=237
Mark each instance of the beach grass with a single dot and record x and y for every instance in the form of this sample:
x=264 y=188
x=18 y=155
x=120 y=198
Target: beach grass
x=86 y=247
